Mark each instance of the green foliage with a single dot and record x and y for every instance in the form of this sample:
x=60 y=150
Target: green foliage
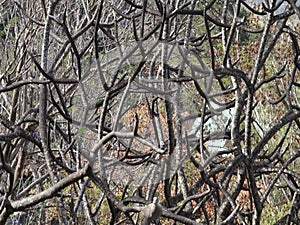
x=271 y=214
x=81 y=131
x=6 y=26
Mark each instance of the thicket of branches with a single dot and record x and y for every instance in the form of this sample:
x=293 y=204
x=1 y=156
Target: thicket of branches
x=106 y=104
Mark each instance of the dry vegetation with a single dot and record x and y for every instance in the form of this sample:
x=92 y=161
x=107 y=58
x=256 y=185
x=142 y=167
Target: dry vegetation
x=106 y=104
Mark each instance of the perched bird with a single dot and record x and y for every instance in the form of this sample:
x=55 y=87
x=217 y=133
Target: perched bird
x=151 y=212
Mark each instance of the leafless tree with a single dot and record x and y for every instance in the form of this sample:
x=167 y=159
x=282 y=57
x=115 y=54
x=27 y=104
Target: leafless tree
x=107 y=105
